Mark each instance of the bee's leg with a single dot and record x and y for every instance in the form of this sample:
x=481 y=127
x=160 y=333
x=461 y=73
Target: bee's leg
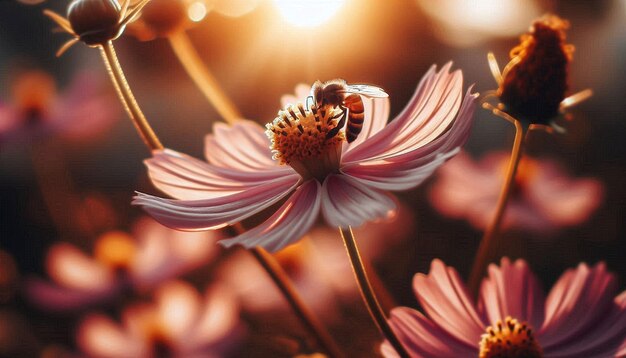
x=342 y=122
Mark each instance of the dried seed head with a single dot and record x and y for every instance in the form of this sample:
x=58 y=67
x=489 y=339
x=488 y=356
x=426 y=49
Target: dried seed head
x=95 y=21
x=535 y=86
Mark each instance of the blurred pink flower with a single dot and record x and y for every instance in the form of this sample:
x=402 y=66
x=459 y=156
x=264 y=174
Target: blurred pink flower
x=180 y=323
x=37 y=110
x=581 y=317
x=347 y=183
x=317 y=266
x=543 y=198
x=119 y=261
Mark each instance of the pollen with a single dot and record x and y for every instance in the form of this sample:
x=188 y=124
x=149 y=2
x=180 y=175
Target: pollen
x=536 y=80
x=510 y=339
x=306 y=136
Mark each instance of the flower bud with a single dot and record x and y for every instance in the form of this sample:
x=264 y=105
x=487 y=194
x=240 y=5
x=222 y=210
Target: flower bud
x=95 y=21
x=161 y=18
x=536 y=85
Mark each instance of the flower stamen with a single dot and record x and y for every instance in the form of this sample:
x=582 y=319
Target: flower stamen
x=308 y=139
x=509 y=339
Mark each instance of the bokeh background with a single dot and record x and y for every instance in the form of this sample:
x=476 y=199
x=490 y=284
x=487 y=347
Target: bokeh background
x=51 y=186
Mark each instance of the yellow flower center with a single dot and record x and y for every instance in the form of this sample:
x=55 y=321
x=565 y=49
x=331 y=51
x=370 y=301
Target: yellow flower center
x=510 y=339
x=307 y=139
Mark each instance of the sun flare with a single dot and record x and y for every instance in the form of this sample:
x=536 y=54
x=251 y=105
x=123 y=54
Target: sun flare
x=308 y=13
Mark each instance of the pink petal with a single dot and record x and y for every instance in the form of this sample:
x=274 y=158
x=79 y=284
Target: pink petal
x=576 y=303
x=294 y=219
x=178 y=307
x=512 y=290
x=214 y=213
x=428 y=115
x=302 y=91
x=83 y=111
x=163 y=253
x=347 y=202
x=216 y=321
x=408 y=168
x=70 y=267
x=565 y=201
x=603 y=340
x=186 y=178
x=100 y=337
x=241 y=146
x=55 y=298
x=422 y=338
x=397 y=176
x=446 y=301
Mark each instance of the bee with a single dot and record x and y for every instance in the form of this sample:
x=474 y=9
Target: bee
x=337 y=93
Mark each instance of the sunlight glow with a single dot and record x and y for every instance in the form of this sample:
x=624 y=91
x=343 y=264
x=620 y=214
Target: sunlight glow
x=196 y=11
x=308 y=13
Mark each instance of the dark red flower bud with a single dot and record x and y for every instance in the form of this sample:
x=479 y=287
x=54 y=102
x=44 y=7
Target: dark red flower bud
x=536 y=85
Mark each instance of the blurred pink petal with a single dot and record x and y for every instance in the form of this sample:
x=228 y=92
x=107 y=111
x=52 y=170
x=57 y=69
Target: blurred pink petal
x=240 y=180
x=99 y=337
x=180 y=320
x=580 y=318
x=71 y=268
x=79 y=113
x=543 y=199
x=164 y=253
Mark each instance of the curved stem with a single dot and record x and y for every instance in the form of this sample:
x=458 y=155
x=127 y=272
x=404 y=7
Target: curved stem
x=127 y=97
x=303 y=312
x=367 y=293
x=488 y=243
x=203 y=78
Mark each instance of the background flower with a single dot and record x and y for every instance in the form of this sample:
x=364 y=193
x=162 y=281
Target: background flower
x=180 y=323
x=544 y=197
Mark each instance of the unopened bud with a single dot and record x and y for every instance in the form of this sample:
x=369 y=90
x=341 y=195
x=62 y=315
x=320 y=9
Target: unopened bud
x=95 y=21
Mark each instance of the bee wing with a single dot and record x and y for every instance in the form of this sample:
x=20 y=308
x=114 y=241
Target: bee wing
x=367 y=91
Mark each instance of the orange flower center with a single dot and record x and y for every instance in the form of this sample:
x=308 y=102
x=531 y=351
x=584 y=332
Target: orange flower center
x=307 y=140
x=115 y=249
x=33 y=94
x=510 y=339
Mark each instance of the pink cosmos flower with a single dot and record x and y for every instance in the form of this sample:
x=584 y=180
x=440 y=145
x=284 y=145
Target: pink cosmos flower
x=347 y=183
x=581 y=316
x=543 y=198
x=119 y=261
x=37 y=110
x=180 y=323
